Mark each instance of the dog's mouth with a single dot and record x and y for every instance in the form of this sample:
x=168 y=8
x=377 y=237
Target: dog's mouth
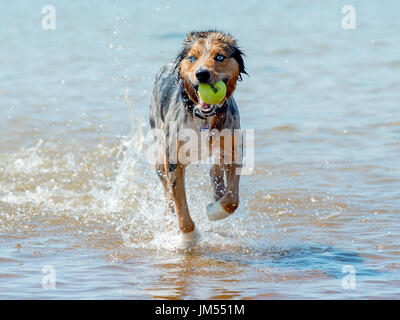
x=205 y=108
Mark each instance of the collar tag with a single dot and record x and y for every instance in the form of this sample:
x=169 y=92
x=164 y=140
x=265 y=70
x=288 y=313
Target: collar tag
x=204 y=127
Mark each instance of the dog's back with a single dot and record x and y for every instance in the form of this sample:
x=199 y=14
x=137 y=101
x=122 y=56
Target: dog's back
x=165 y=95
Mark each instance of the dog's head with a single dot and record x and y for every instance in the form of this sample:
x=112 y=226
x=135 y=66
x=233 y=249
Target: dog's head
x=208 y=57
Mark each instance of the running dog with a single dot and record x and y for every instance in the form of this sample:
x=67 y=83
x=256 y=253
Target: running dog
x=206 y=58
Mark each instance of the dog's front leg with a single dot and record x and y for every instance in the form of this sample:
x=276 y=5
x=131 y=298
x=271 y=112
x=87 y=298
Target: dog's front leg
x=217 y=181
x=230 y=200
x=176 y=175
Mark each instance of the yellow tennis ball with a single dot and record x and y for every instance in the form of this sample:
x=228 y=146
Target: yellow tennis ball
x=212 y=93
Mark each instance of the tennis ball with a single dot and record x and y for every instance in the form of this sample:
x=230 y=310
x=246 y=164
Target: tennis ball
x=212 y=93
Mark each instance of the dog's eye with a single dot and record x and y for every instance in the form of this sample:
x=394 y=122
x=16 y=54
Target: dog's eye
x=220 y=57
x=191 y=59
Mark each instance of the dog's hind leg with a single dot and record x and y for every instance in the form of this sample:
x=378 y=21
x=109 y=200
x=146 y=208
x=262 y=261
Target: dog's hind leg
x=162 y=174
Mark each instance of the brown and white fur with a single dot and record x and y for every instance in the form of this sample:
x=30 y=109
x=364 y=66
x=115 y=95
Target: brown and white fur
x=206 y=57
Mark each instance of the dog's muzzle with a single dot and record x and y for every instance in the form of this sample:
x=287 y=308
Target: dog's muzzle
x=201 y=110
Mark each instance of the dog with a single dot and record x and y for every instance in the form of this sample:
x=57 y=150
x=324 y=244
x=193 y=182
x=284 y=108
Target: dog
x=205 y=58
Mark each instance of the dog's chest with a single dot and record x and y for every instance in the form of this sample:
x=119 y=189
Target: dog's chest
x=199 y=142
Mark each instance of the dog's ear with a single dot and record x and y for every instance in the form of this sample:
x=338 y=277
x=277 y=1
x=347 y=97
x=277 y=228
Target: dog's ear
x=182 y=54
x=238 y=56
x=190 y=37
x=178 y=59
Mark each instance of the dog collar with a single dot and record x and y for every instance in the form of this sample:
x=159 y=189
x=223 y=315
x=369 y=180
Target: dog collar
x=189 y=105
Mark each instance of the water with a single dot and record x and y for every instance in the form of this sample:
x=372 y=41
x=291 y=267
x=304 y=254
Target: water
x=77 y=195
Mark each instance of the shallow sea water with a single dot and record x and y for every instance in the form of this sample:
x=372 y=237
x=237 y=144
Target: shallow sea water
x=78 y=196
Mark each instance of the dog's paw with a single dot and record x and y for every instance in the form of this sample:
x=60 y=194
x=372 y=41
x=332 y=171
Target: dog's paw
x=188 y=240
x=216 y=212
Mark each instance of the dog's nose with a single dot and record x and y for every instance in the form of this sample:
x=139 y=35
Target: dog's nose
x=203 y=75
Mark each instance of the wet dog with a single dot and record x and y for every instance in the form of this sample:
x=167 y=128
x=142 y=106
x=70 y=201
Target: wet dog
x=206 y=58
